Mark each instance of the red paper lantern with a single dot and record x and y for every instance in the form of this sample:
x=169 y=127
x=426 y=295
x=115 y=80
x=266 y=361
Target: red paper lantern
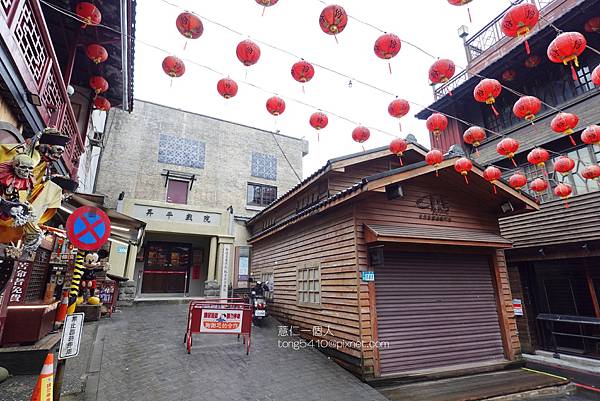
x=173 y=66
x=436 y=123
x=387 y=46
x=441 y=71
x=487 y=91
x=565 y=123
x=319 y=121
x=227 y=88
x=96 y=53
x=398 y=146
x=398 y=108
x=520 y=20
x=98 y=84
x=593 y=24
x=538 y=185
x=492 y=174
x=509 y=75
x=564 y=165
x=533 y=61
x=267 y=3
x=517 y=181
x=591 y=172
x=508 y=147
x=591 y=135
x=275 y=105
x=102 y=103
x=463 y=166
x=248 y=52
x=434 y=158
x=88 y=13
x=538 y=157
x=596 y=76
x=459 y=2
x=333 y=19
x=563 y=191
x=189 y=25
x=361 y=134
x=527 y=107
x=303 y=71
x=474 y=136
x=566 y=48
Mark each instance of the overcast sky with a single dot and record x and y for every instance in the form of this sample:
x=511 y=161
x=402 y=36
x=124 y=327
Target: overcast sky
x=293 y=25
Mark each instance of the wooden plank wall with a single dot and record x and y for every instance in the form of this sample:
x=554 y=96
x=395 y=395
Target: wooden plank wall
x=339 y=181
x=525 y=323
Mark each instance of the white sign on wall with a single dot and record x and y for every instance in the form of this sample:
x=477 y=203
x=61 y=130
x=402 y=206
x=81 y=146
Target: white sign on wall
x=71 y=336
x=225 y=275
x=156 y=213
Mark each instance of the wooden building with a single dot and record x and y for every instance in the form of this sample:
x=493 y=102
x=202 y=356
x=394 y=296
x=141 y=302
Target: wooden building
x=554 y=264
x=440 y=300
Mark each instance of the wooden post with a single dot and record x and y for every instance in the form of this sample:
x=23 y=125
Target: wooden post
x=592 y=289
x=503 y=315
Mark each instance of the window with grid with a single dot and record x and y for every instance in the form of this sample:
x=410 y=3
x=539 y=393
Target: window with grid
x=309 y=285
x=584 y=80
x=260 y=195
x=582 y=157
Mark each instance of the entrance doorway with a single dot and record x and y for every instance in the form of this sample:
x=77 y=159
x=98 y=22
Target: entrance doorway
x=167 y=268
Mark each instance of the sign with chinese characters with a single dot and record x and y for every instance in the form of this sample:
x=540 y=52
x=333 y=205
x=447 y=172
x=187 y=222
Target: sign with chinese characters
x=434 y=207
x=21 y=279
x=155 y=213
x=121 y=249
x=367 y=276
x=221 y=321
x=71 y=336
x=518 y=307
x=225 y=275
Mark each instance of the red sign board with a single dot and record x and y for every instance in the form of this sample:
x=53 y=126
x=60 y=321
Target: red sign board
x=88 y=228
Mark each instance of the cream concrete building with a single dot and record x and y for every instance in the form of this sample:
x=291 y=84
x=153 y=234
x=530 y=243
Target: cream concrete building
x=194 y=180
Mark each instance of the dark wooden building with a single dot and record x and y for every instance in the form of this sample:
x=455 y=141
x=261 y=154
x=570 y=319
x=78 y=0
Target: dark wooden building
x=554 y=264
x=440 y=300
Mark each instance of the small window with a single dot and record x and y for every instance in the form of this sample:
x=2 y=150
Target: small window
x=177 y=191
x=261 y=195
x=309 y=285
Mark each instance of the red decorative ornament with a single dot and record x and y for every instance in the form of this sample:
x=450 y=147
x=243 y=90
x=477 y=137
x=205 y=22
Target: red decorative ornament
x=591 y=172
x=173 y=66
x=387 y=46
x=487 y=91
x=508 y=147
x=436 y=123
x=566 y=48
x=361 y=134
x=434 y=158
x=591 y=135
x=319 y=121
x=565 y=123
x=517 y=181
x=463 y=166
x=303 y=71
x=527 y=107
x=333 y=20
x=509 y=75
x=248 y=52
x=398 y=146
x=227 y=88
x=96 y=53
x=520 y=20
x=474 y=136
x=98 y=84
x=275 y=105
x=538 y=157
x=441 y=72
x=266 y=3
x=563 y=191
x=596 y=76
x=533 y=61
x=492 y=175
x=399 y=108
x=593 y=24
x=88 y=13
x=564 y=165
x=102 y=103
x=538 y=185
x=189 y=25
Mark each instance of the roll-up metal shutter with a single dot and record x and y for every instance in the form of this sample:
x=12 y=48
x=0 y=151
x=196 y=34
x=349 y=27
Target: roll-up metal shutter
x=436 y=310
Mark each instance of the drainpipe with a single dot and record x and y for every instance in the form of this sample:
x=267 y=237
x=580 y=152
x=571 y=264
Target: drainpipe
x=124 y=52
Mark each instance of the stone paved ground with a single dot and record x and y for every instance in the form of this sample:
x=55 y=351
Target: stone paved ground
x=139 y=355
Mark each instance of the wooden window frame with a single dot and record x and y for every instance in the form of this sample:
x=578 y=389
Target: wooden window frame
x=187 y=193
x=256 y=184
x=309 y=266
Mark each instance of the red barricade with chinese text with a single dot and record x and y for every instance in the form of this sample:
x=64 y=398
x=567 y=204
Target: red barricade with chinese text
x=219 y=316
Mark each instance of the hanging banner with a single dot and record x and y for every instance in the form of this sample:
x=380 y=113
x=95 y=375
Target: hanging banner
x=225 y=275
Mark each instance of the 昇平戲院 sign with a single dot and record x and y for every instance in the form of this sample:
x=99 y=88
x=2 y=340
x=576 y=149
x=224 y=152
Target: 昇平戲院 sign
x=221 y=321
x=154 y=213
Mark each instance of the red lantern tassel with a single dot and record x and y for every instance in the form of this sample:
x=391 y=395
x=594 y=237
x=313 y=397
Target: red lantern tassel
x=466 y=179
x=495 y=190
x=449 y=92
x=363 y=147
x=572 y=140
x=494 y=110
x=566 y=205
x=400 y=126
x=318 y=136
x=477 y=152
x=513 y=161
x=401 y=162
x=390 y=67
x=527 y=49
x=437 y=174
x=469 y=11
x=303 y=91
x=336 y=39
x=263 y=13
x=573 y=72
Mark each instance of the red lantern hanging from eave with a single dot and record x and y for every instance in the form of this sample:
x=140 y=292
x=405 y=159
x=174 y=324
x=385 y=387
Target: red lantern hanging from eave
x=527 y=107
x=520 y=20
x=596 y=76
x=248 y=52
x=303 y=71
x=189 y=25
x=96 y=53
x=387 y=46
x=463 y=166
x=434 y=158
x=517 y=181
x=474 y=136
x=227 y=88
x=98 y=84
x=487 y=91
x=275 y=105
x=436 y=123
x=564 y=165
x=88 y=13
x=565 y=123
x=441 y=72
x=333 y=20
x=266 y=3
x=533 y=61
x=538 y=157
x=563 y=191
x=492 y=174
x=361 y=134
x=508 y=147
x=398 y=146
x=173 y=66
x=318 y=121
x=592 y=25
x=399 y=108
x=102 y=103
x=538 y=186
x=591 y=172
x=591 y=135
x=566 y=48
x=509 y=75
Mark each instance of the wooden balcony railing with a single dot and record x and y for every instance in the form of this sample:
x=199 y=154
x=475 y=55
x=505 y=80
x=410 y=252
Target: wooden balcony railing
x=24 y=32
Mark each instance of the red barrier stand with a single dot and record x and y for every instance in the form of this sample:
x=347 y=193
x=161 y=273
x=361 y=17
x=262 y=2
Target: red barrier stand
x=219 y=316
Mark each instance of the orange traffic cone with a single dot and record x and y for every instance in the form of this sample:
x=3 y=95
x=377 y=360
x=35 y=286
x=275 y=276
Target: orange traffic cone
x=45 y=385
x=61 y=313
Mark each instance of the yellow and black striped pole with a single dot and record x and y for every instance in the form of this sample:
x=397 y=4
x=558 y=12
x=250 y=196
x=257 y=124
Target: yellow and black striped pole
x=76 y=281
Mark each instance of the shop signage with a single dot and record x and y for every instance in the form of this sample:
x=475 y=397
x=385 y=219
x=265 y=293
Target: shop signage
x=155 y=213
x=518 y=307
x=20 y=281
x=225 y=275
x=435 y=207
x=367 y=276
x=221 y=321
x=88 y=228
x=71 y=336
